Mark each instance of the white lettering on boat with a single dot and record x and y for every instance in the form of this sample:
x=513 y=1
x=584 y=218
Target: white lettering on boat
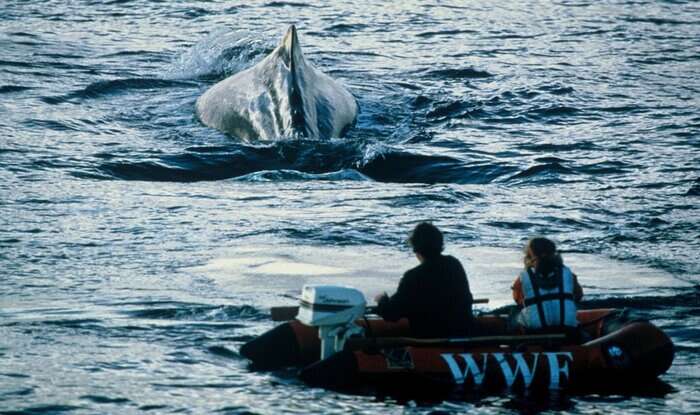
x=510 y=373
x=471 y=366
x=555 y=369
x=521 y=366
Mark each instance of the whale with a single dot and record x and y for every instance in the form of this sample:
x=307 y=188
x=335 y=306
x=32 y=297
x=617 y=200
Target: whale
x=282 y=96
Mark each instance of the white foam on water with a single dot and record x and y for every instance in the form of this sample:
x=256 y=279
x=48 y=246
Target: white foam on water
x=284 y=269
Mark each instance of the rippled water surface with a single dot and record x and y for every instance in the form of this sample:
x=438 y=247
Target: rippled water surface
x=139 y=249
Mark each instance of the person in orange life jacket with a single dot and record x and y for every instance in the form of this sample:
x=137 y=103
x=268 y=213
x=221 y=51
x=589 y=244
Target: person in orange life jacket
x=435 y=295
x=546 y=290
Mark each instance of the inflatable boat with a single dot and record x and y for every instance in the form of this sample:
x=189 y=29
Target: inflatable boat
x=338 y=347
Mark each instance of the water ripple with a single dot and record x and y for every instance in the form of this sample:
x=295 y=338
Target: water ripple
x=112 y=87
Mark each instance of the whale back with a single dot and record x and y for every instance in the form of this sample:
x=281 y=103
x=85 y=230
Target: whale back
x=281 y=96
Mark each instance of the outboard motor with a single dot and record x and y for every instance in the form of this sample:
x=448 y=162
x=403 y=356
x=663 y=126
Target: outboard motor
x=333 y=310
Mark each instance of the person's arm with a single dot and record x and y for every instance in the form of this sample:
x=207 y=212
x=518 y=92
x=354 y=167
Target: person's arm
x=518 y=295
x=393 y=308
x=578 y=290
x=462 y=278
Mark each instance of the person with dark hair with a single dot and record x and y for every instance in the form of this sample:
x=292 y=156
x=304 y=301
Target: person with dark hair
x=435 y=295
x=546 y=290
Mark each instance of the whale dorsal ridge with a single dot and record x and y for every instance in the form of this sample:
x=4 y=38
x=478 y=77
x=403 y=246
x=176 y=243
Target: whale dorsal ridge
x=292 y=57
x=290 y=49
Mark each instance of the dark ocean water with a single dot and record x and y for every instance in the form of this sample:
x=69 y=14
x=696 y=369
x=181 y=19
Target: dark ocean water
x=139 y=249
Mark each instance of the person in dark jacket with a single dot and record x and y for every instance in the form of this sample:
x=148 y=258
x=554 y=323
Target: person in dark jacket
x=435 y=295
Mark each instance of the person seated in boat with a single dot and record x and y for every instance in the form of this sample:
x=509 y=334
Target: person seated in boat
x=434 y=296
x=546 y=290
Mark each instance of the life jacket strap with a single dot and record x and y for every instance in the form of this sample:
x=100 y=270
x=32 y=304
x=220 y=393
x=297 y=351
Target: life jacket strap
x=536 y=299
x=548 y=297
x=562 y=308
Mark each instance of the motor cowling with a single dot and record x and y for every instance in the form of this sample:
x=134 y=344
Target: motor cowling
x=334 y=310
